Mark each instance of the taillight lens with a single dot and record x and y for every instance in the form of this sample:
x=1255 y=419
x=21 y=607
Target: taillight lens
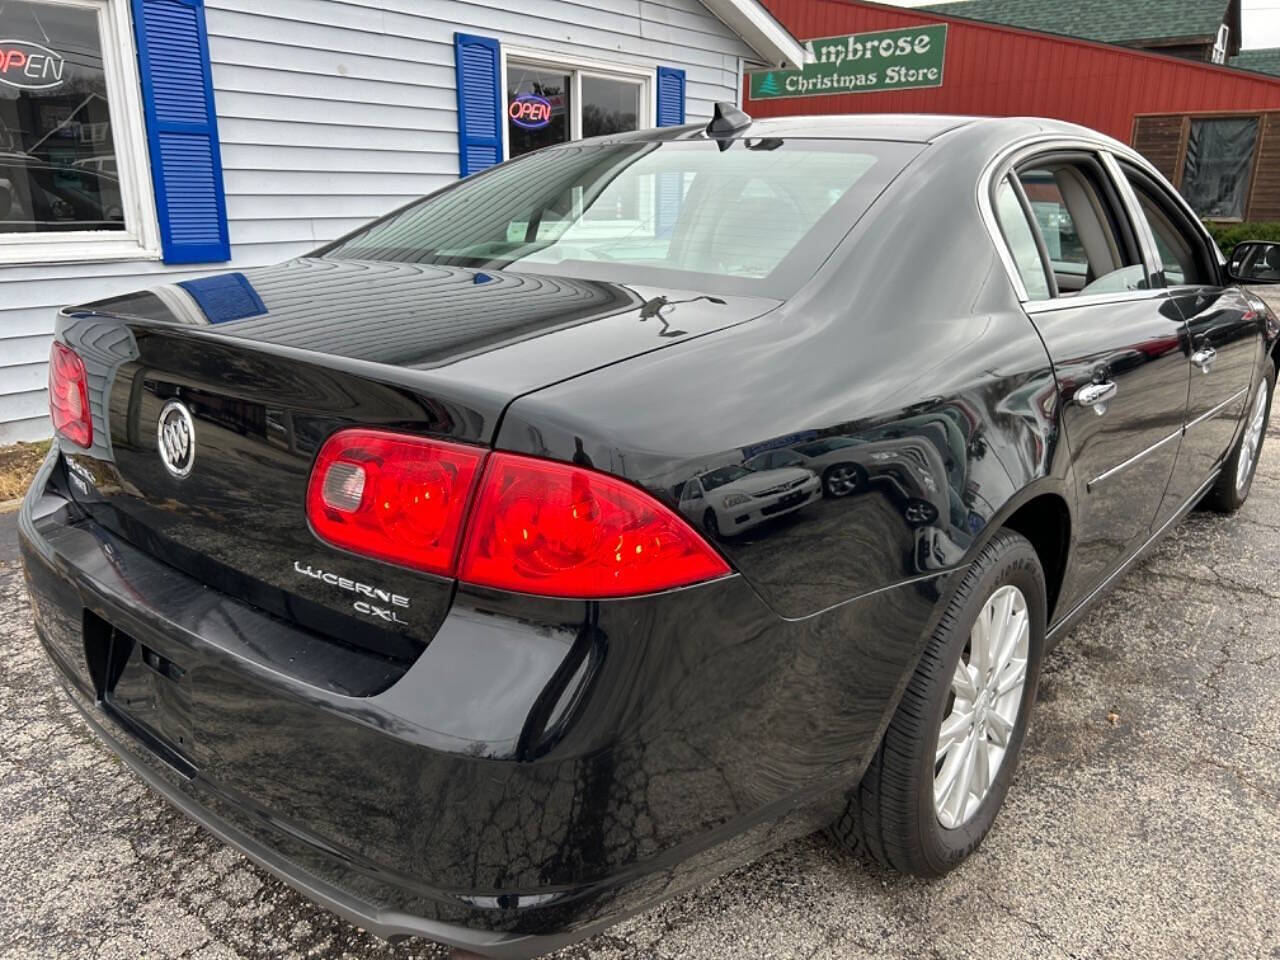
x=558 y=530
x=397 y=498
x=69 y=395
x=536 y=526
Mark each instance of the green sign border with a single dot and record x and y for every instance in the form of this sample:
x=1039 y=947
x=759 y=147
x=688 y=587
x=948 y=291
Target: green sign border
x=942 y=69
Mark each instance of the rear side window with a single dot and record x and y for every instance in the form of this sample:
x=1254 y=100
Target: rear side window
x=1088 y=241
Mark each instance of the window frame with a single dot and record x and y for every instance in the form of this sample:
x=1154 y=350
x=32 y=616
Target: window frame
x=140 y=238
x=577 y=67
x=1175 y=209
x=1106 y=152
x=1185 y=140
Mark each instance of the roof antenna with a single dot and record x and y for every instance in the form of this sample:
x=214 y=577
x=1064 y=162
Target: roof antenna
x=725 y=122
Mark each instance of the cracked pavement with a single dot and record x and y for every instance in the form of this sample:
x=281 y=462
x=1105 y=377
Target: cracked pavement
x=1144 y=820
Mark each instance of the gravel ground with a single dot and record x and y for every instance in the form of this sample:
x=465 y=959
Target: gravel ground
x=1144 y=820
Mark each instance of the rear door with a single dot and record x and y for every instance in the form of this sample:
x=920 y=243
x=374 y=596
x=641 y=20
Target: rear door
x=1116 y=343
x=1225 y=335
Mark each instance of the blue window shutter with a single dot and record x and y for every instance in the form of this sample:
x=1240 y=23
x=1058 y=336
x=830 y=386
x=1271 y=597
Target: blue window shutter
x=479 y=65
x=670 y=97
x=182 y=130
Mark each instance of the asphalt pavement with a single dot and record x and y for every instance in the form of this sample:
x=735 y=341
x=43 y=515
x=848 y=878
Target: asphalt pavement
x=1144 y=820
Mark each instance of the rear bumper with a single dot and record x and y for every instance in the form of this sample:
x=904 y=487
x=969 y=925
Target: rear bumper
x=544 y=769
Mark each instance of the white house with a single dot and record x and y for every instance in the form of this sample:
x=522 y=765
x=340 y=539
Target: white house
x=178 y=137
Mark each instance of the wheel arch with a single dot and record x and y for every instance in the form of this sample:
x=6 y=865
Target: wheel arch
x=1042 y=512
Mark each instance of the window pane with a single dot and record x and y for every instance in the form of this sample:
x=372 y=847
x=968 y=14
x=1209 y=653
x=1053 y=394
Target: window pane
x=1082 y=231
x=722 y=215
x=537 y=108
x=1022 y=242
x=1177 y=254
x=609 y=106
x=1215 y=179
x=57 y=158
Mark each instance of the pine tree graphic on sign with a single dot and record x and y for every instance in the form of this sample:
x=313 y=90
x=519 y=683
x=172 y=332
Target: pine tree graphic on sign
x=768 y=86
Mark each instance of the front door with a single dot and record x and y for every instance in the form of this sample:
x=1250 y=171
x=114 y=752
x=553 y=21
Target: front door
x=1117 y=346
x=1224 y=338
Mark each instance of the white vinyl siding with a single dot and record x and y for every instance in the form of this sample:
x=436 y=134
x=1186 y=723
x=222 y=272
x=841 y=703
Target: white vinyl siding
x=332 y=112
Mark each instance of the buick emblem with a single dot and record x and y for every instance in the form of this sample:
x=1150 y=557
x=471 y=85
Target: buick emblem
x=176 y=438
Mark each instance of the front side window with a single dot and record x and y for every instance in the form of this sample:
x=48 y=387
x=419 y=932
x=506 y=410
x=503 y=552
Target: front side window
x=62 y=178
x=756 y=218
x=1181 y=250
x=1216 y=175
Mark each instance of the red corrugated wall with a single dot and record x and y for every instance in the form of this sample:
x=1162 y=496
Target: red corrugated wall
x=991 y=70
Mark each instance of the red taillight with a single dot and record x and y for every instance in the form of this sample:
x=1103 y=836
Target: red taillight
x=536 y=526
x=69 y=395
x=394 y=497
x=557 y=530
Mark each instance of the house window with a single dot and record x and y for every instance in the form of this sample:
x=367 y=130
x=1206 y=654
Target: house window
x=73 y=174
x=549 y=102
x=1219 y=162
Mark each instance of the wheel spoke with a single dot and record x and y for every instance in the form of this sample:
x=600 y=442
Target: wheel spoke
x=979 y=644
x=954 y=731
x=999 y=729
x=981 y=767
x=1012 y=678
x=1018 y=628
x=962 y=684
x=963 y=785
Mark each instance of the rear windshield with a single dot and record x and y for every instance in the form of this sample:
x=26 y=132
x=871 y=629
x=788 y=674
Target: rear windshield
x=757 y=218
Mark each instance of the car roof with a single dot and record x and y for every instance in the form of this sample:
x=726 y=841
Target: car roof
x=901 y=127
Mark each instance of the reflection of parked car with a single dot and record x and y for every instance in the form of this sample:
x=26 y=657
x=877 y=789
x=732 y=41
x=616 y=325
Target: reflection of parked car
x=908 y=468
x=35 y=195
x=733 y=499
x=832 y=458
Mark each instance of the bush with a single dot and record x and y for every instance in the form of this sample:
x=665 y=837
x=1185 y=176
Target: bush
x=1229 y=234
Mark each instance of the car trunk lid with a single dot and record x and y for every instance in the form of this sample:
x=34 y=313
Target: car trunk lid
x=270 y=362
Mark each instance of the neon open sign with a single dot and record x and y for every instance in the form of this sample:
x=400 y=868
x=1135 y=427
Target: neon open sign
x=30 y=66
x=530 y=111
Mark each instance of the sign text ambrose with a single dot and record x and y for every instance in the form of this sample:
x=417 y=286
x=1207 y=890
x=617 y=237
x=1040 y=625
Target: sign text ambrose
x=861 y=63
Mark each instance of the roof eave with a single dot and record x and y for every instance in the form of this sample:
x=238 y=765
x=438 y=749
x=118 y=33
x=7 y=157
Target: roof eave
x=760 y=31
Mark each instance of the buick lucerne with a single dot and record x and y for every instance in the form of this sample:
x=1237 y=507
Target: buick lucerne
x=588 y=527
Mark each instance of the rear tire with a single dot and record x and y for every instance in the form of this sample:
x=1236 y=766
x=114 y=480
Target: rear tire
x=1232 y=487
x=893 y=814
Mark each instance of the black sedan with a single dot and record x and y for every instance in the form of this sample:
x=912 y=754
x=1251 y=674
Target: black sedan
x=398 y=566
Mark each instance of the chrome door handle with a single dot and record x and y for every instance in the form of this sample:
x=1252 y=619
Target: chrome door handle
x=1096 y=395
x=1204 y=357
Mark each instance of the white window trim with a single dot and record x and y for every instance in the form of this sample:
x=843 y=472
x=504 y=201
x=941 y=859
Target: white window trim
x=140 y=240
x=645 y=77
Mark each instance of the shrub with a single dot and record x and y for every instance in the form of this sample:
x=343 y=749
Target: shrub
x=1229 y=234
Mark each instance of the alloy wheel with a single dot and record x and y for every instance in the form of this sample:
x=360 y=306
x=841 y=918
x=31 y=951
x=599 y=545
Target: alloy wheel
x=1252 y=441
x=842 y=481
x=985 y=698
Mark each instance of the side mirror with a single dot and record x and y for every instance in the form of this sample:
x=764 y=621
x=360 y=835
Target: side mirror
x=1255 y=261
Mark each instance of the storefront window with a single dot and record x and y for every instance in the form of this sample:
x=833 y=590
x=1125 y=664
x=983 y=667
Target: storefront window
x=609 y=106
x=1216 y=176
x=538 y=108
x=57 y=146
x=548 y=104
